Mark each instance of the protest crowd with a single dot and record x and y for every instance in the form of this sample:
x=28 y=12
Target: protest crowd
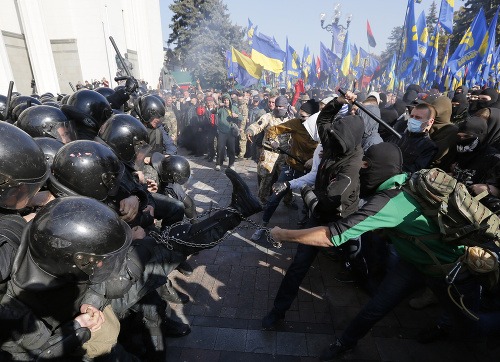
x=95 y=216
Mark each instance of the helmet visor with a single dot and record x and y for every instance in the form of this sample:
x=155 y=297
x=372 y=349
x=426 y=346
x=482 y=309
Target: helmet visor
x=100 y=267
x=15 y=194
x=64 y=132
x=141 y=151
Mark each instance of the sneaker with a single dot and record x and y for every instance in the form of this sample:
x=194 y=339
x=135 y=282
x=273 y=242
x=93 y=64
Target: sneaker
x=175 y=329
x=242 y=198
x=217 y=168
x=334 y=351
x=426 y=299
x=272 y=319
x=432 y=334
x=257 y=234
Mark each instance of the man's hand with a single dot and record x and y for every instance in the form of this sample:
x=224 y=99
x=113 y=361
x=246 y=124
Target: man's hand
x=249 y=137
x=150 y=209
x=349 y=97
x=138 y=233
x=152 y=185
x=308 y=164
x=276 y=234
x=131 y=85
x=129 y=208
x=91 y=317
x=280 y=187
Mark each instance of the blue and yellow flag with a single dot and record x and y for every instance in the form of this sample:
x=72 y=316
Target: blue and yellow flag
x=423 y=35
x=326 y=62
x=251 y=30
x=345 y=66
x=446 y=15
x=306 y=63
x=292 y=61
x=391 y=74
x=469 y=46
x=244 y=69
x=410 y=54
x=486 y=50
x=267 y=53
x=432 y=59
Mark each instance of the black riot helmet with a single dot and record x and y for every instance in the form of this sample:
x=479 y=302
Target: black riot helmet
x=78 y=239
x=23 y=170
x=171 y=169
x=49 y=146
x=22 y=101
x=128 y=138
x=149 y=107
x=85 y=168
x=47 y=121
x=105 y=91
x=88 y=108
x=3 y=105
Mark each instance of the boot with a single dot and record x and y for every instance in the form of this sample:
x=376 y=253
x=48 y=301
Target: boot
x=241 y=198
x=170 y=294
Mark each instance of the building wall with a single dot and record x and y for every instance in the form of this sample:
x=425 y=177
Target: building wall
x=68 y=41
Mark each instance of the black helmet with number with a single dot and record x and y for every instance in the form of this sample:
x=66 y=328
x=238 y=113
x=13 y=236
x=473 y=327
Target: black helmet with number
x=23 y=170
x=87 y=108
x=78 y=239
x=49 y=146
x=171 y=169
x=47 y=121
x=149 y=107
x=85 y=168
x=128 y=138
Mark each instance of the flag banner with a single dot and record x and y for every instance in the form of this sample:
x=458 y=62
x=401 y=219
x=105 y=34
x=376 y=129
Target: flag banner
x=338 y=40
x=432 y=58
x=306 y=63
x=292 y=61
x=485 y=53
x=423 y=35
x=410 y=54
x=446 y=15
x=468 y=48
x=346 y=56
x=267 y=53
x=371 y=38
x=246 y=71
x=229 y=64
x=251 y=30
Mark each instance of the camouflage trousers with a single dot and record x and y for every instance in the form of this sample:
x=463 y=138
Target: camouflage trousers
x=267 y=179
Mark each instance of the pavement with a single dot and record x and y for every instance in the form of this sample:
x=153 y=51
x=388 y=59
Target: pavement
x=234 y=284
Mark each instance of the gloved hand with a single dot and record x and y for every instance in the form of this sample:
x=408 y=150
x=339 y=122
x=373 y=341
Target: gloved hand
x=280 y=187
x=131 y=85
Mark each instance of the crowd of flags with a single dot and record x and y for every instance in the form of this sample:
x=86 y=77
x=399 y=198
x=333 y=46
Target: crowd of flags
x=474 y=61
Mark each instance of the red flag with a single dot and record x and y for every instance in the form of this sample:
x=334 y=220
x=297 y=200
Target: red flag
x=371 y=39
x=299 y=88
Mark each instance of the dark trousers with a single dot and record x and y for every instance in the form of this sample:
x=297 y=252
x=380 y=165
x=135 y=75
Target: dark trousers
x=225 y=141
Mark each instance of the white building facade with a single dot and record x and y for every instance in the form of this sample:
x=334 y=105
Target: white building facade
x=58 y=42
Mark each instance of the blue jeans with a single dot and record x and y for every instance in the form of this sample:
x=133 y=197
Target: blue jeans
x=287 y=173
x=401 y=281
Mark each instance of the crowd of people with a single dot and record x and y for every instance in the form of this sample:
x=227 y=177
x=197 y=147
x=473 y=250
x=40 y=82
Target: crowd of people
x=94 y=215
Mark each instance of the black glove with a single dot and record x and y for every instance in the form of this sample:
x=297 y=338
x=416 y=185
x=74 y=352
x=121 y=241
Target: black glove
x=131 y=85
x=280 y=187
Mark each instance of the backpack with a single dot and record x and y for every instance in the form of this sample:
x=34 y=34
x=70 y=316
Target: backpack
x=462 y=220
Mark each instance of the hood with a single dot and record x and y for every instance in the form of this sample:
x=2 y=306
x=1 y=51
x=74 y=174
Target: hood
x=310 y=125
x=493 y=122
x=443 y=110
x=346 y=134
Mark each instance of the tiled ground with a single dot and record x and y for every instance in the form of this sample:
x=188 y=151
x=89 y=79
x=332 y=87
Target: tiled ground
x=234 y=284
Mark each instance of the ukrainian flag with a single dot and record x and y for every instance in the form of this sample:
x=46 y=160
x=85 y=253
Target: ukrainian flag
x=267 y=54
x=347 y=55
x=446 y=15
x=245 y=71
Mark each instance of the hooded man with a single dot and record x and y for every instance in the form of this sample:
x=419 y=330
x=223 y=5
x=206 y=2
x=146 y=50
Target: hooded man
x=302 y=148
x=443 y=133
x=460 y=107
x=335 y=194
x=226 y=139
x=389 y=207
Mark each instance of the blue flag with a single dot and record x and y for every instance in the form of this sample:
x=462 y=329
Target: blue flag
x=292 y=61
x=432 y=58
x=410 y=54
x=468 y=48
x=246 y=71
x=486 y=50
x=423 y=35
x=446 y=15
x=306 y=63
x=338 y=42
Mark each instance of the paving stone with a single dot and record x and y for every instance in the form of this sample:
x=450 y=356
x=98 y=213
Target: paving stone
x=229 y=339
x=291 y=344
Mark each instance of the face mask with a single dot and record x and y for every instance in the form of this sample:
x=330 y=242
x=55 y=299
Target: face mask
x=415 y=126
x=467 y=145
x=279 y=112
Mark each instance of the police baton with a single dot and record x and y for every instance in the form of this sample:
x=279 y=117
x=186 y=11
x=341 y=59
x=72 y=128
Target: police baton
x=122 y=61
x=267 y=146
x=9 y=98
x=72 y=87
x=363 y=108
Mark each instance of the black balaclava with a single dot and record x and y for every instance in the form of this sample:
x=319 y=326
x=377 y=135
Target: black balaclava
x=280 y=101
x=310 y=107
x=460 y=98
x=383 y=100
x=485 y=104
x=384 y=161
x=473 y=105
x=476 y=128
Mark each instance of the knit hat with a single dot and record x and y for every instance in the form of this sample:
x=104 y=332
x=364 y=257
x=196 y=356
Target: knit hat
x=374 y=95
x=310 y=107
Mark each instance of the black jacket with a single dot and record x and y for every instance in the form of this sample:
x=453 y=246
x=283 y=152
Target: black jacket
x=418 y=150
